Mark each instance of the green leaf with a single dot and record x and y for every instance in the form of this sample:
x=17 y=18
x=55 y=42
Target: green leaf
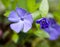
x=44 y=7
x=7 y=13
x=15 y=38
x=6 y=3
x=57 y=16
x=32 y=5
x=41 y=34
x=37 y=26
x=36 y=15
x=13 y=4
x=22 y=4
x=10 y=4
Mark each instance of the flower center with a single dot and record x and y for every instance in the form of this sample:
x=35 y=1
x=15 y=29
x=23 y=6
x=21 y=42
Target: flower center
x=44 y=24
x=22 y=19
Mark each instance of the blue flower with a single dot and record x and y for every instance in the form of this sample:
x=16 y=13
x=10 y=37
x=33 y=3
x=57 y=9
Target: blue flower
x=50 y=26
x=22 y=20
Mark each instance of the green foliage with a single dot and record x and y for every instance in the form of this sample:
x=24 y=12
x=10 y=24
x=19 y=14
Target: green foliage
x=57 y=16
x=29 y=5
x=15 y=37
x=7 y=13
x=6 y=3
x=14 y=4
x=32 y=5
x=44 y=7
x=40 y=33
x=36 y=36
x=36 y=15
x=5 y=34
x=10 y=4
x=22 y=4
x=43 y=10
x=10 y=44
x=54 y=5
x=42 y=44
x=22 y=38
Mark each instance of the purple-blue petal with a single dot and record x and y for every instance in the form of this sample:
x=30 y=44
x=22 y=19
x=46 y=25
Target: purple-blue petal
x=13 y=17
x=52 y=32
x=17 y=27
x=51 y=21
x=28 y=17
x=21 y=12
x=53 y=37
x=57 y=27
x=27 y=25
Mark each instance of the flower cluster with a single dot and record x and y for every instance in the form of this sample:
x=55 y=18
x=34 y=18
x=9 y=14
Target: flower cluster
x=22 y=21
x=50 y=26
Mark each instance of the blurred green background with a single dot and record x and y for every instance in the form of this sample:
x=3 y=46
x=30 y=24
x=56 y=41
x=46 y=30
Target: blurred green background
x=34 y=37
